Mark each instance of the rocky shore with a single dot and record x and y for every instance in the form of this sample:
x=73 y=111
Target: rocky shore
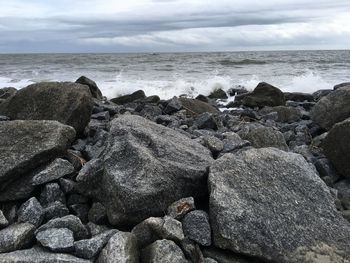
x=140 y=179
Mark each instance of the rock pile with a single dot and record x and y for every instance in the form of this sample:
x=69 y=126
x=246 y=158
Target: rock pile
x=139 y=179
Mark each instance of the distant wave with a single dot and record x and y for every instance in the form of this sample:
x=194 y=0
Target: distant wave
x=229 y=62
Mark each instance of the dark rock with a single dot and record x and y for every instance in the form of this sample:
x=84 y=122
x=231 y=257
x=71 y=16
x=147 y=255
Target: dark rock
x=224 y=256
x=202 y=98
x=55 y=170
x=3 y=220
x=151 y=99
x=121 y=248
x=214 y=144
x=39 y=255
x=163 y=251
x=284 y=114
x=336 y=146
x=326 y=169
x=96 y=229
x=181 y=207
x=101 y=116
x=95 y=91
x=94 y=148
x=81 y=211
x=195 y=107
x=20 y=188
x=137 y=95
x=77 y=199
x=55 y=209
x=5 y=93
x=89 y=248
x=27 y=144
x=232 y=142
x=192 y=250
x=10 y=212
x=173 y=105
x=197 y=228
x=321 y=93
x=146 y=168
x=16 y=237
x=89 y=177
x=237 y=91
x=298 y=96
x=264 y=95
x=341 y=85
x=70 y=222
x=51 y=193
x=343 y=188
x=332 y=108
x=67 y=186
x=346 y=215
x=253 y=192
x=56 y=239
x=206 y=120
x=66 y=102
x=98 y=214
x=75 y=158
x=31 y=212
x=218 y=94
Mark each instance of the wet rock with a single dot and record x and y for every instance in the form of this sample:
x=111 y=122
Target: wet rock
x=55 y=170
x=202 y=98
x=336 y=146
x=264 y=95
x=163 y=251
x=31 y=212
x=52 y=193
x=332 y=108
x=298 y=96
x=89 y=248
x=146 y=168
x=66 y=102
x=56 y=239
x=16 y=237
x=218 y=94
x=121 y=248
x=195 y=107
x=341 y=85
x=252 y=193
x=27 y=144
x=95 y=91
x=137 y=95
x=180 y=208
x=3 y=220
x=206 y=120
x=197 y=228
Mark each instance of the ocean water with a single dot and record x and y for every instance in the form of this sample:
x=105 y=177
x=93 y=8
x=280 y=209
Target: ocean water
x=171 y=74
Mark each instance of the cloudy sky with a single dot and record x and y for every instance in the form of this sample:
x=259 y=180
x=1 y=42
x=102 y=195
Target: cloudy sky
x=172 y=25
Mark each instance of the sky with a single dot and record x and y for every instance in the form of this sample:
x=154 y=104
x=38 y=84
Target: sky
x=47 y=26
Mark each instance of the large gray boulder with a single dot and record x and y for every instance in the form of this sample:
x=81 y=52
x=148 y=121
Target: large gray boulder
x=264 y=95
x=271 y=204
x=25 y=145
x=95 y=91
x=336 y=146
x=16 y=237
x=146 y=168
x=333 y=108
x=39 y=255
x=67 y=102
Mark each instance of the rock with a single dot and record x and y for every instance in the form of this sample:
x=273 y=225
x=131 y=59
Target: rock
x=137 y=95
x=151 y=99
x=197 y=228
x=332 y=108
x=224 y=256
x=346 y=215
x=16 y=237
x=343 y=188
x=90 y=176
x=172 y=229
x=96 y=229
x=146 y=168
x=89 y=248
x=271 y=204
x=336 y=147
x=202 y=98
x=264 y=95
x=326 y=170
x=218 y=94
x=173 y=105
x=66 y=102
x=321 y=93
x=210 y=260
x=121 y=248
x=195 y=107
x=163 y=251
x=39 y=255
x=97 y=213
x=5 y=93
x=31 y=212
x=67 y=186
x=298 y=96
x=341 y=85
x=206 y=120
x=284 y=114
x=56 y=239
x=261 y=137
x=70 y=222
x=237 y=91
x=95 y=91
x=180 y=208
x=52 y=193
x=191 y=250
x=55 y=170
x=3 y=220
x=81 y=211
x=232 y=142
x=27 y=144
x=55 y=209
x=101 y=116
x=20 y=188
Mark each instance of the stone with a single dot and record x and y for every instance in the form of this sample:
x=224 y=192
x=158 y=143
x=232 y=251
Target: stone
x=7 y=92
x=51 y=193
x=67 y=102
x=206 y=120
x=172 y=229
x=89 y=248
x=27 y=144
x=336 y=147
x=346 y=215
x=137 y=95
x=146 y=168
x=90 y=176
x=81 y=211
x=16 y=236
x=271 y=204
x=261 y=137
x=326 y=170
x=173 y=105
x=225 y=256
x=341 y=85
x=94 y=229
x=121 y=248
x=284 y=114
x=39 y=255
x=232 y=142
x=3 y=220
x=202 y=98
x=298 y=96
x=181 y=207
x=332 y=108
x=56 y=239
x=55 y=170
x=195 y=107
x=197 y=228
x=321 y=93
x=101 y=116
x=67 y=186
x=163 y=251
x=70 y=222
x=191 y=250
x=218 y=94
x=20 y=188
x=97 y=213
x=264 y=95
x=55 y=209
x=32 y=212
x=95 y=91
x=343 y=188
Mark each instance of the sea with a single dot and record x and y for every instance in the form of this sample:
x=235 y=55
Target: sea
x=174 y=74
